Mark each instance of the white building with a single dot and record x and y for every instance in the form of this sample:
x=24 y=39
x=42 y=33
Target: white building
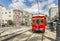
x=1 y=7
x=53 y=11
x=5 y=15
x=26 y=18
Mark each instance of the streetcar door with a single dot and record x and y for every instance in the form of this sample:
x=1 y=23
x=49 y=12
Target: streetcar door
x=42 y=24
x=34 y=24
x=37 y=21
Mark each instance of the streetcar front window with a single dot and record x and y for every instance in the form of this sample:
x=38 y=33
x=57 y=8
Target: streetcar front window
x=42 y=21
x=33 y=21
x=37 y=21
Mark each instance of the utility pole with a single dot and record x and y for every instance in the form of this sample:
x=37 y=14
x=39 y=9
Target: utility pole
x=58 y=24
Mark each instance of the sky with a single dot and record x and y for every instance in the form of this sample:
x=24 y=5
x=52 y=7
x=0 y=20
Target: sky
x=30 y=5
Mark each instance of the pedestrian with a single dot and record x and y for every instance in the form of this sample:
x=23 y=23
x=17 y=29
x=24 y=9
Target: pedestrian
x=3 y=25
x=26 y=23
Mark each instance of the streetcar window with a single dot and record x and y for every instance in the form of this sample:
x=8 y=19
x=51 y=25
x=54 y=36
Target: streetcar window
x=41 y=20
x=33 y=21
x=37 y=21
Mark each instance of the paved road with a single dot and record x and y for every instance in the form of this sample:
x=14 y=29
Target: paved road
x=30 y=36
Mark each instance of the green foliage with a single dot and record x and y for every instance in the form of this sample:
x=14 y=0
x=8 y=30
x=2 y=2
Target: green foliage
x=10 y=22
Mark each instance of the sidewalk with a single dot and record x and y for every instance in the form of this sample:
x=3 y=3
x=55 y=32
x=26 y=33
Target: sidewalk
x=4 y=29
x=49 y=36
x=10 y=30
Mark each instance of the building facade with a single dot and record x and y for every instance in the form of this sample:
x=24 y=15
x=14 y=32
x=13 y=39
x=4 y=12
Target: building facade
x=53 y=11
x=16 y=17
x=26 y=18
x=1 y=7
x=5 y=15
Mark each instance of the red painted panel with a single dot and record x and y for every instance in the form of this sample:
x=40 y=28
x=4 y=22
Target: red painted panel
x=39 y=26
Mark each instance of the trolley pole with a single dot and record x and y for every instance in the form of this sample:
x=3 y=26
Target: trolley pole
x=38 y=6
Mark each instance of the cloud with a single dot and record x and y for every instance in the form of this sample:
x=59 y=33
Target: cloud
x=13 y=1
x=31 y=0
x=49 y=4
x=34 y=8
x=52 y=5
x=50 y=1
x=17 y=4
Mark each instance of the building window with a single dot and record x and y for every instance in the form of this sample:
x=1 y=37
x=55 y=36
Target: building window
x=13 y=15
x=9 y=12
x=9 y=15
x=2 y=12
x=5 y=20
x=41 y=20
x=5 y=12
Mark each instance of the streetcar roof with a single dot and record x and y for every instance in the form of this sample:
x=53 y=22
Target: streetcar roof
x=37 y=16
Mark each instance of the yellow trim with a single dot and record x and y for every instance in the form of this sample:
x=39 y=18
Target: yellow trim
x=36 y=19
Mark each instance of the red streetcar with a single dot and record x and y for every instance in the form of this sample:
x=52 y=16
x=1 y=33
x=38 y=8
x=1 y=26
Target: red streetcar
x=39 y=23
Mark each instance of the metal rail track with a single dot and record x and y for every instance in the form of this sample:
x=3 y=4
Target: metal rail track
x=42 y=38
x=10 y=36
x=3 y=32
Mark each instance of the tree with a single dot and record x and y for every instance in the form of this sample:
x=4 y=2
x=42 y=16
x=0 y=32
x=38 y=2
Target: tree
x=10 y=22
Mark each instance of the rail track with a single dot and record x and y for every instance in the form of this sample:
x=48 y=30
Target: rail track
x=13 y=35
x=40 y=38
x=10 y=36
